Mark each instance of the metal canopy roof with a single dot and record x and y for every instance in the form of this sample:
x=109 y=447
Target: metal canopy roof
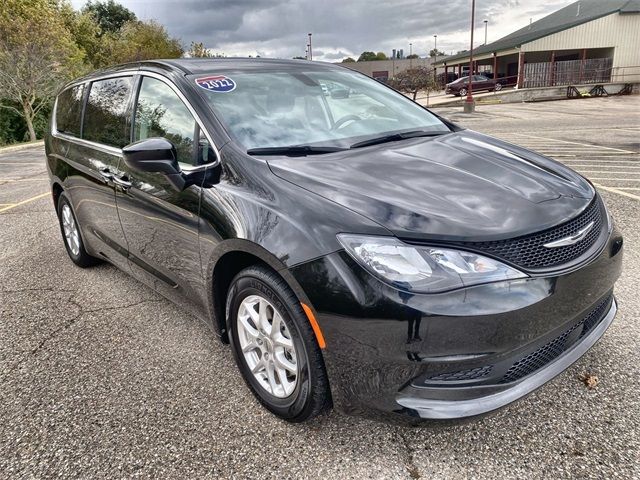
x=570 y=16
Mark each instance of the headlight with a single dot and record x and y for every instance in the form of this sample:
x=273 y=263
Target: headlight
x=423 y=269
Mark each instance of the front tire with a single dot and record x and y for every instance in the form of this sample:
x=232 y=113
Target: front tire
x=498 y=87
x=463 y=92
x=71 y=234
x=274 y=346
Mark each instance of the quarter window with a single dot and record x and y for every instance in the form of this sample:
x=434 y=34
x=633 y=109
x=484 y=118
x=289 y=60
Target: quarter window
x=69 y=111
x=161 y=113
x=105 y=118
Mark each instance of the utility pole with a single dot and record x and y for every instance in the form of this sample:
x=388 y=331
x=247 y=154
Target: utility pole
x=469 y=103
x=485 y=31
x=310 y=50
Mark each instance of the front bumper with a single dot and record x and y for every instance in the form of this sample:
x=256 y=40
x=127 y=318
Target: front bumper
x=471 y=401
x=453 y=354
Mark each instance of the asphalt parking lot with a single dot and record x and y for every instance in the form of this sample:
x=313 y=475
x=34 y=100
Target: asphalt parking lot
x=101 y=378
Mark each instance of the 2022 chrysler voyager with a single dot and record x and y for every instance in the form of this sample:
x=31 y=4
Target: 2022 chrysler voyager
x=360 y=252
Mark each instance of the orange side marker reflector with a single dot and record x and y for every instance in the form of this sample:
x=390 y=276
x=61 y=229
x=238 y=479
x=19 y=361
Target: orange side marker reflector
x=314 y=325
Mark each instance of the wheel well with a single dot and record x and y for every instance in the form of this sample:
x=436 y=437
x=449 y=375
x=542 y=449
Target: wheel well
x=56 y=190
x=227 y=267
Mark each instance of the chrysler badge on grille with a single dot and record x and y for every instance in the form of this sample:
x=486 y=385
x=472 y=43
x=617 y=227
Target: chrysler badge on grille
x=571 y=239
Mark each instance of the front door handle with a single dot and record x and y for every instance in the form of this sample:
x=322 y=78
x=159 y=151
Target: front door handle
x=105 y=174
x=121 y=182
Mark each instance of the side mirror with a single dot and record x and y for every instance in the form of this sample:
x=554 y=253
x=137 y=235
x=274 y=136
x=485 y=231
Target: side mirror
x=152 y=155
x=157 y=155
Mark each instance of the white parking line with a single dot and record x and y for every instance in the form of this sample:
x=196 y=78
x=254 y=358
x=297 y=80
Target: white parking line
x=576 y=143
x=616 y=179
x=601 y=166
x=609 y=171
x=618 y=191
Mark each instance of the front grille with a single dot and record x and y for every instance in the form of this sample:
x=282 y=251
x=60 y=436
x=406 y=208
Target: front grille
x=548 y=352
x=529 y=251
x=471 y=374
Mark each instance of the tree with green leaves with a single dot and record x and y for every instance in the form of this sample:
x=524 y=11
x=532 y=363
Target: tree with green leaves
x=198 y=50
x=414 y=80
x=413 y=56
x=109 y=15
x=348 y=60
x=367 y=57
x=138 y=41
x=433 y=53
x=37 y=55
x=85 y=31
x=381 y=56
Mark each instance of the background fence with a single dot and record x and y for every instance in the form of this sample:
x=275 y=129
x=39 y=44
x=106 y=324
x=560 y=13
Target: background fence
x=547 y=74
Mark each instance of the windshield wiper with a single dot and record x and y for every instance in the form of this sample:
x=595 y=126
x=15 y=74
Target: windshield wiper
x=294 y=150
x=394 y=137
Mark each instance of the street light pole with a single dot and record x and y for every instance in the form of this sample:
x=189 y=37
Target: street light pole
x=411 y=55
x=485 y=31
x=435 y=45
x=469 y=103
x=310 y=50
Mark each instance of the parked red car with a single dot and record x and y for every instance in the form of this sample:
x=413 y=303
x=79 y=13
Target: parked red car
x=478 y=83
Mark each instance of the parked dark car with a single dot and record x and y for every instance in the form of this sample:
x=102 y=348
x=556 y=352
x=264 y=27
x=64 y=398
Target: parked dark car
x=478 y=83
x=442 y=79
x=368 y=255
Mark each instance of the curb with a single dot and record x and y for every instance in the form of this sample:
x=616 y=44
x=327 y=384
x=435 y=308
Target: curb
x=21 y=146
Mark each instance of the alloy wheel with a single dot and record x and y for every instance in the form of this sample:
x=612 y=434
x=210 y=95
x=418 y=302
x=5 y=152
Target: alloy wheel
x=463 y=92
x=71 y=234
x=267 y=346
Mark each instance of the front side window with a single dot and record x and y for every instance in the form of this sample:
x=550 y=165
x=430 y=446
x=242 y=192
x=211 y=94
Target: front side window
x=69 y=111
x=321 y=107
x=105 y=118
x=161 y=113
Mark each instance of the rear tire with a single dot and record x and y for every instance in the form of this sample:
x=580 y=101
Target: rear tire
x=71 y=234
x=274 y=346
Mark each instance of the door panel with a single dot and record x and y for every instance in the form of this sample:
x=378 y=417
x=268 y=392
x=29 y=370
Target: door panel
x=89 y=188
x=94 y=202
x=159 y=222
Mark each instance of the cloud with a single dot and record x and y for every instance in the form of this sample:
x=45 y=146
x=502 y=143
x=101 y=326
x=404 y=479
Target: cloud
x=341 y=28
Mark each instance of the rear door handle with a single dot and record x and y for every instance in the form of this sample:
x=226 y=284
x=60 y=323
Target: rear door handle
x=121 y=182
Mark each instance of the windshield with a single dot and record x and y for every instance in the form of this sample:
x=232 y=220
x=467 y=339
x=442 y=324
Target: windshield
x=328 y=108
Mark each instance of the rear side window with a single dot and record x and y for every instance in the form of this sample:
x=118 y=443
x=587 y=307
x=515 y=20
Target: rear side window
x=105 y=117
x=69 y=111
x=161 y=113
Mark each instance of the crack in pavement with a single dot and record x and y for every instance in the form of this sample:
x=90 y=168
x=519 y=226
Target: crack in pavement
x=69 y=323
x=409 y=464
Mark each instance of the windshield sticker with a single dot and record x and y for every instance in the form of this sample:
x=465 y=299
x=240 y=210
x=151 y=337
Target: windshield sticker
x=216 y=83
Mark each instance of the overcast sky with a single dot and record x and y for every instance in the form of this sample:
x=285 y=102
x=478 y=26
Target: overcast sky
x=341 y=28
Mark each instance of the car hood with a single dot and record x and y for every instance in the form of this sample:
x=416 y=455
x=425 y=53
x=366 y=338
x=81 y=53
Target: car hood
x=460 y=186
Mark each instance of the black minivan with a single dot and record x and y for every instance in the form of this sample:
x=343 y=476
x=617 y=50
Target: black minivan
x=356 y=251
